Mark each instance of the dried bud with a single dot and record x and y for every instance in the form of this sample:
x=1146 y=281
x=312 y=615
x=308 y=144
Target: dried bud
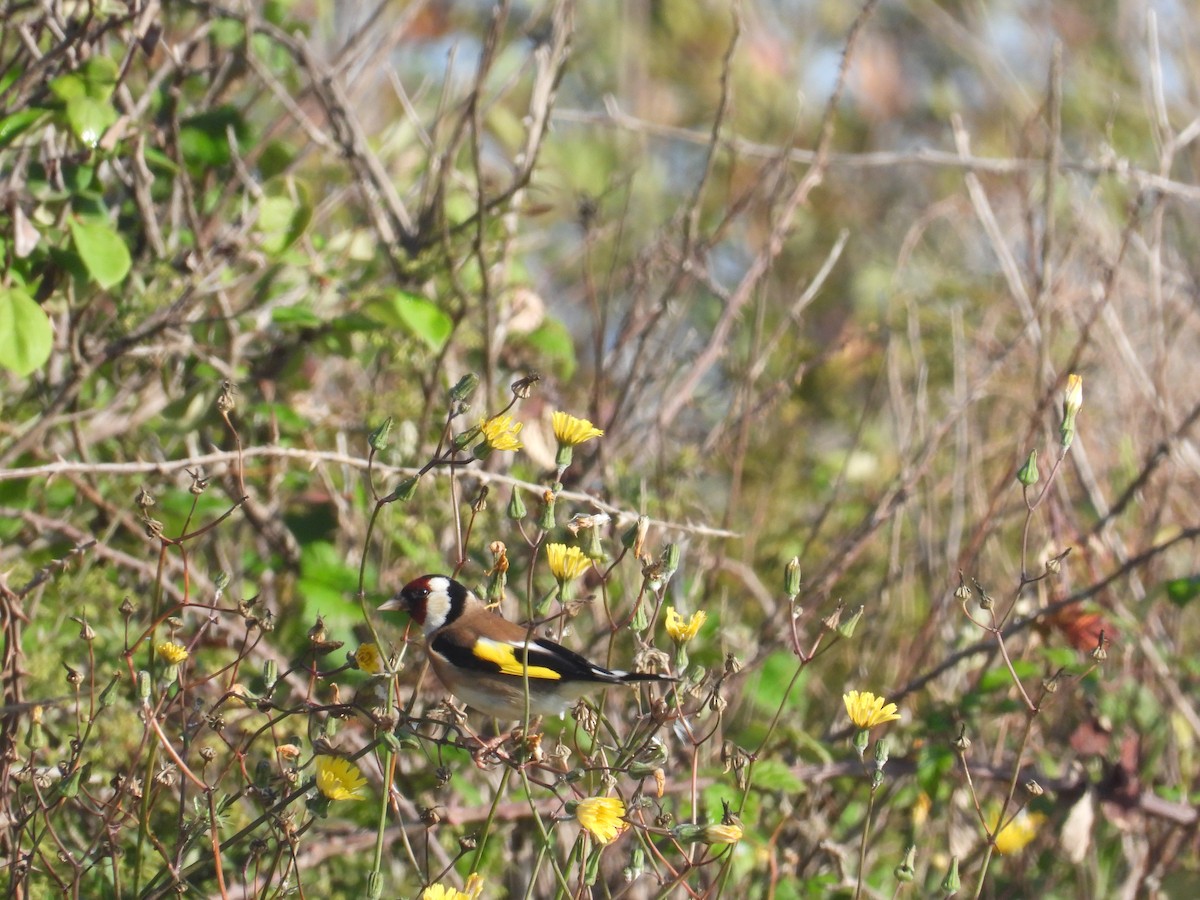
x=962 y=743
x=86 y=632
x=1034 y=789
x=522 y=388
x=1053 y=565
x=226 y=400
x=199 y=483
x=634 y=538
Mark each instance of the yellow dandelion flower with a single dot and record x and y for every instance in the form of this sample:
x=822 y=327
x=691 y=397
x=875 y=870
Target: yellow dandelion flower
x=500 y=433
x=566 y=563
x=602 y=817
x=866 y=710
x=439 y=891
x=1017 y=834
x=339 y=779
x=723 y=833
x=369 y=659
x=680 y=631
x=571 y=432
x=171 y=653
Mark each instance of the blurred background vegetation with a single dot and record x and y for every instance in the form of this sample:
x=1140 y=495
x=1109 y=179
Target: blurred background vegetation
x=819 y=270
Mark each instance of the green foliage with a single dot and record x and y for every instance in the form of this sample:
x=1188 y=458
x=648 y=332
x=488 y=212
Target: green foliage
x=814 y=318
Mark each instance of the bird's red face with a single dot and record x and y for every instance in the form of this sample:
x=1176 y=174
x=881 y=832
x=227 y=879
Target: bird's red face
x=431 y=600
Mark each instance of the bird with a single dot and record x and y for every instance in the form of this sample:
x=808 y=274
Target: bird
x=490 y=663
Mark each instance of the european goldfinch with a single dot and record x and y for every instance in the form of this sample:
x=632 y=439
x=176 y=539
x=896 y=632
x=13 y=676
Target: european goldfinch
x=482 y=657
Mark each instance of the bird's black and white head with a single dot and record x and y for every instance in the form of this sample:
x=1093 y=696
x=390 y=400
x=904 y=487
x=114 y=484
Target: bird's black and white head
x=431 y=600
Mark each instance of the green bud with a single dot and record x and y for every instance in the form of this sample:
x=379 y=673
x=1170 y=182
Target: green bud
x=846 y=629
x=406 y=489
x=374 y=885
x=591 y=869
x=906 y=871
x=1028 y=473
x=35 y=737
x=641 y=620
x=592 y=548
x=462 y=391
x=951 y=883
x=68 y=788
x=516 y=505
x=637 y=865
x=791 y=577
x=653 y=757
x=881 y=752
x=546 y=519
x=378 y=439
x=467 y=438
x=860 y=741
x=270 y=674
x=688 y=834
x=143 y=685
x=564 y=456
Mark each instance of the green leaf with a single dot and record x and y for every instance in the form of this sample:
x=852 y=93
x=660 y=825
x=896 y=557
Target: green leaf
x=283 y=215
x=296 y=317
x=100 y=77
x=421 y=317
x=89 y=118
x=204 y=139
x=102 y=251
x=11 y=127
x=25 y=333
x=1182 y=591
x=554 y=342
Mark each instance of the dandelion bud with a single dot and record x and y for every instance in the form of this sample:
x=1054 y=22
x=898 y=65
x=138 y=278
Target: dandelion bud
x=516 y=506
x=378 y=439
x=846 y=629
x=791 y=577
x=1072 y=403
x=1028 y=473
x=546 y=520
x=962 y=592
x=1053 y=566
x=861 y=739
x=1034 y=789
x=906 y=871
x=406 y=489
x=464 y=388
x=951 y=883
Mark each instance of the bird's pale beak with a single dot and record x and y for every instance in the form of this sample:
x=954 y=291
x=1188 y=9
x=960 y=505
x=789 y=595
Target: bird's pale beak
x=396 y=604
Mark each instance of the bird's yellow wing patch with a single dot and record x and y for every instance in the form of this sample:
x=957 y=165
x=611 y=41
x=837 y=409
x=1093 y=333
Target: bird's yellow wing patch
x=505 y=656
